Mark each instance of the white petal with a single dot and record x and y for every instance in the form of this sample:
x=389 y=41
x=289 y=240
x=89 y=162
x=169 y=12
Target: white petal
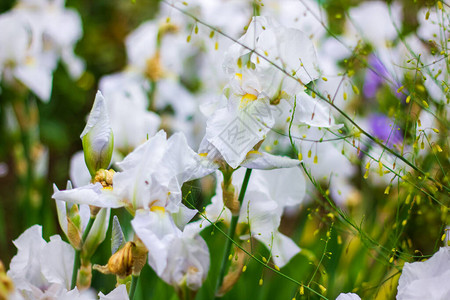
x=424 y=280
x=25 y=266
x=61 y=211
x=281 y=247
x=312 y=112
x=157 y=231
x=285 y=186
x=73 y=63
x=234 y=131
x=183 y=216
x=181 y=162
x=119 y=293
x=98 y=120
x=37 y=79
x=188 y=260
x=266 y=161
x=57 y=261
x=79 y=173
x=149 y=153
x=92 y=194
x=75 y=294
x=348 y=296
x=141 y=44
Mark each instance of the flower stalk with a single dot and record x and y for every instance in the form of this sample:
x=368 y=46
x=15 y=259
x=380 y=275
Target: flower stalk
x=134 y=282
x=231 y=233
x=76 y=262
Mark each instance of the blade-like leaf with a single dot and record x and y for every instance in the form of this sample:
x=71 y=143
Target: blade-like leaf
x=117 y=237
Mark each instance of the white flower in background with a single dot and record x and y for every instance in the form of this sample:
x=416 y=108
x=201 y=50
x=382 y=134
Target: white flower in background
x=426 y=131
x=319 y=156
x=371 y=22
x=158 y=56
x=158 y=47
x=56 y=30
x=180 y=258
x=19 y=59
x=338 y=88
x=36 y=36
x=427 y=279
x=42 y=270
x=431 y=23
x=218 y=14
x=428 y=44
x=170 y=94
x=127 y=105
x=305 y=15
x=268 y=194
x=348 y=296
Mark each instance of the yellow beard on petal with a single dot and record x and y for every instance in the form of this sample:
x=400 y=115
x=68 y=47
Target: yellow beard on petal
x=156 y=208
x=246 y=99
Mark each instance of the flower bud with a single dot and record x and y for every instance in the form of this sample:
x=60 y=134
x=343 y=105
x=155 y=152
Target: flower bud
x=97 y=137
x=70 y=219
x=97 y=233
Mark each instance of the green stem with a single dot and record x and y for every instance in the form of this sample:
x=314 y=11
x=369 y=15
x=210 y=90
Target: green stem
x=133 y=286
x=231 y=232
x=76 y=262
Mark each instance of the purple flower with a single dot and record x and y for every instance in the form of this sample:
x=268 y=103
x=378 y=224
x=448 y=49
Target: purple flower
x=385 y=130
x=376 y=76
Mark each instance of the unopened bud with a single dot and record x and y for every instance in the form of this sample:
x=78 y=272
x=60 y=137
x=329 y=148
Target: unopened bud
x=97 y=233
x=97 y=137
